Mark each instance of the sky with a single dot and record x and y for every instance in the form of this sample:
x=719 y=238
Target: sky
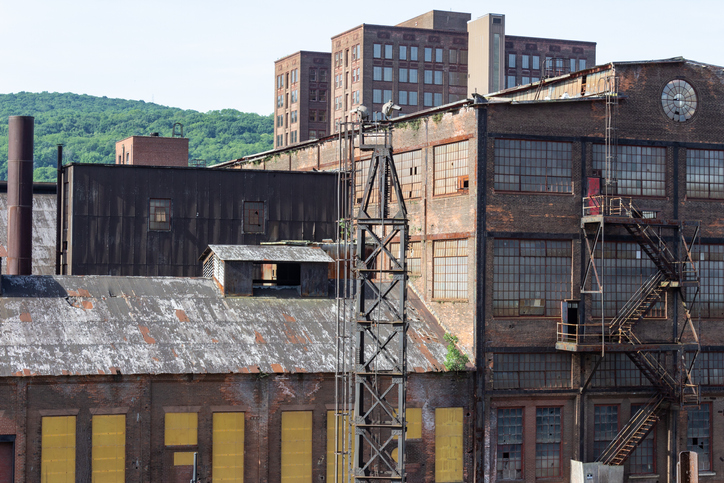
x=219 y=54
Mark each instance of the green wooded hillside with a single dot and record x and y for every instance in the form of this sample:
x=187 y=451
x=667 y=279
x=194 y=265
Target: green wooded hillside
x=89 y=127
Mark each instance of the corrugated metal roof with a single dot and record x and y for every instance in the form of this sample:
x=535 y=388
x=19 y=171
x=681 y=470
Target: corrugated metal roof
x=55 y=325
x=270 y=253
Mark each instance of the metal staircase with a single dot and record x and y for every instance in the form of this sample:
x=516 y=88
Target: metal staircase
x=634 y=432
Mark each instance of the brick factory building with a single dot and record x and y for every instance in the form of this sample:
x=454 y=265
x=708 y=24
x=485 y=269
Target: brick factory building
x=153 y=150
x=502 y=193
x=436 y=58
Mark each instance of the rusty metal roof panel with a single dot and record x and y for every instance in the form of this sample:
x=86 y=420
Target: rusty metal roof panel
x=271 y=253
x=54 y=325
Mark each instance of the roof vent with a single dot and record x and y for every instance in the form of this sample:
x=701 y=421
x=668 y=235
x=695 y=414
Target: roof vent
x=155 y=134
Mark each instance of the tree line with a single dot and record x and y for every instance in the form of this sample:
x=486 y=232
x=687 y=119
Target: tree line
x=88 y=128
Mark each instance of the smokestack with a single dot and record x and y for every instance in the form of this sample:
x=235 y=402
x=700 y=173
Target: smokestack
x=20 y=195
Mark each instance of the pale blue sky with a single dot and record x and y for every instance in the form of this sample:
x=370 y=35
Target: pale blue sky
x=219 y=54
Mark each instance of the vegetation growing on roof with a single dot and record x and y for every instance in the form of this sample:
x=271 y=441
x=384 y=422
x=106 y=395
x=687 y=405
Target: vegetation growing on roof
x=454 y=359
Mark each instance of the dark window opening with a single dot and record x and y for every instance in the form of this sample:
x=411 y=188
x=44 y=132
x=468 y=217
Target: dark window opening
x=277 y=274
x=159 y=215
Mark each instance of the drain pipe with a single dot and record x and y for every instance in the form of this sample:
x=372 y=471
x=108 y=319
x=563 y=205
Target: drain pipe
x=20 y=195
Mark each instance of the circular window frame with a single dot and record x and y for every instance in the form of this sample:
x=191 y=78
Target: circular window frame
x=676 y=91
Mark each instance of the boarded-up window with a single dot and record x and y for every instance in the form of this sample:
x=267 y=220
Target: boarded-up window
x=297 y=447
x=509 y=465
x=181 y=429
x=109 y=448
x=448 y=444
x=414 y=423
x=228 y=447
x=345 y=440
x=450 y=269
x=58 y=450
x=254 y=217
x=159 y=216
x=451 y=168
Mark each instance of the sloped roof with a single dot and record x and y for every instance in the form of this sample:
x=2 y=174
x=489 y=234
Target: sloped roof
x=55 y=325
x=267 y=253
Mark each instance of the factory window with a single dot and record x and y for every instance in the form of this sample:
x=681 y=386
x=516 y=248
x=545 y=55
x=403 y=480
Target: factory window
x=438 y=77
x=453 y=56
x=159 y=215
x=109 y=447
x=428 y=77
x=605 y=427
x=377 y=73
x=639 y=170
x=458 y=79
x=627 y=269
x=414 y=257
x=402 y=98
x=403 y=75
x=709 y=260
x=451 y=166
x=450 y=269
x=313 y=75
x=355 y=97
x=387 y=95
x=294 y=136
x=708 y=368
x=294 y=117
x=642 y=460
x=295 y=96
x=464 y=57
x=533 y=166
x=355 y=52
x=413 y=76
x=547 y=442
x=345 y=438
x=438 y=55
x=227 y=464
x=254 y=216
x=573 y=65
x=525 y=80
x=437 y=99
x=413 y=52
x=536 y=62
x=704 y=174
x=531 y=371
x=322 y=75
x=181 y=429
x=412 y=97
x=403 y=52
x=409 y=171
x=698 y=434
x=530 y=277
x=509 y=465
x=581 y=64
x=377 y=51
x=510 y=81
x=448 y=444
x=388 y=51
x=511 y=61
x=387 y=74
x=312 y=134
x=524 y=61
x=57 y=450
x=322 y=95
x=617 y=370
x=428 y=54
x=312 y=115
x=297 y=446
x=377 y=95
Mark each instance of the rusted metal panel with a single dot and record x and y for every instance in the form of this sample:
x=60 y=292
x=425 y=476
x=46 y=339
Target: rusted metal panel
x=51 y=325
x=267 y=253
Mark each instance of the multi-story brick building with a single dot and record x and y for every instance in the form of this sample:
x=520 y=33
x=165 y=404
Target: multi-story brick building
x=301 y=97
x=499 y=192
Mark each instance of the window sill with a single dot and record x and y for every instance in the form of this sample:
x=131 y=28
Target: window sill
x=707 y=473
x=547 y=193
x=448 y=195
x=643 y=476
x=450 y=300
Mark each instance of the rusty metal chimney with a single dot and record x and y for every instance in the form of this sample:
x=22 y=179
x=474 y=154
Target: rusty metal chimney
x=20 y=195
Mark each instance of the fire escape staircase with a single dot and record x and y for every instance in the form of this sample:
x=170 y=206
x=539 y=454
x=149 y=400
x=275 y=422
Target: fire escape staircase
x=671 y=389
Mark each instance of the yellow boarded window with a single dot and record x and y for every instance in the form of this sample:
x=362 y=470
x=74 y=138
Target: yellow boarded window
x=296 y=446
x=183 y=458
x=109 y=448
x=228 y=444
x=181 y=429
x=58 y=450
x=344 y=437
x=448 y=444
x=414 y=423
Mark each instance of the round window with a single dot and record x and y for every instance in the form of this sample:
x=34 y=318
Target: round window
x=679 y=100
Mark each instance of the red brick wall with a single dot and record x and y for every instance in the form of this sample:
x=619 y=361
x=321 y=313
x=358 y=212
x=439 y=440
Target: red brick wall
x=154 y=151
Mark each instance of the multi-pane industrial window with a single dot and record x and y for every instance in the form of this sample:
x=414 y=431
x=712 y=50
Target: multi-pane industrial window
x=377 y=73
x=530 y=277
x=698 y=434
x=109 y=448
x=448 y=444
x=377 y=95
x=437 y=99
x=638 y=170
x=704 y=174
x=450 y=269
x=547 y=442
x=57 y=452
x=228 y=447
x=409 y=171
x=617 y=370
x=438 y=55
x=643 y=459
x=402 y=75
x=451 y=168
x=413 y=76
x=413 y=52
x=387 y=74
x=531 y=371
x=509 y=464
x=427 y=99
x=181 y=429
x=710 y=263
x=428 y=54
x=388 y=51
x=537 y=166
x=605 y=427
x=428 y=77
x=254 y=217
x=453 y=56
x=708 y=368
x=627 y=269
x=377 y=51
x=403 y=52
x=159 y=215
x=296 y=446
x=414 y=256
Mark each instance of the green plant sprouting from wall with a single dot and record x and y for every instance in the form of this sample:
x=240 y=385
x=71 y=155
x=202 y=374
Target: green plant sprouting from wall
x=454 y=359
